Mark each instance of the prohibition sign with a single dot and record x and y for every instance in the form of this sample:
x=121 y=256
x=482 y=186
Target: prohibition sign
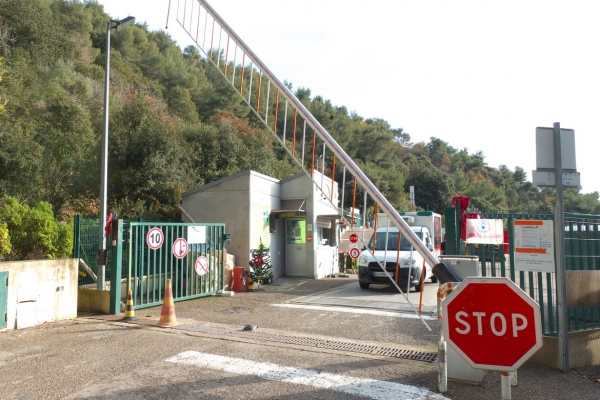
x=353 y=240
x=155 y=238
x=180 y=248
x=201 y=265
x=354 y=253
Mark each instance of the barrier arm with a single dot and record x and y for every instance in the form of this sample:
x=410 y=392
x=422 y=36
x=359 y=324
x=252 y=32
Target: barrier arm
x=385 y=205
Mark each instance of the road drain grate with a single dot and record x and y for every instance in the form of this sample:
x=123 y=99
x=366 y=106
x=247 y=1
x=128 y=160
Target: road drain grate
x=315 y=342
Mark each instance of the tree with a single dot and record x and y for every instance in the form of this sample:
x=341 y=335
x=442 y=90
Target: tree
x=433 y=188
x=261 y=269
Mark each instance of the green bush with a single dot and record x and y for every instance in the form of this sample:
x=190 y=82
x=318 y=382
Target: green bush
x=32 y=232
x=5 y=246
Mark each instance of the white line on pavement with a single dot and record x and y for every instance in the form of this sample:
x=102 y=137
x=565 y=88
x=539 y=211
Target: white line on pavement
x=358 y=311
x=371 y=388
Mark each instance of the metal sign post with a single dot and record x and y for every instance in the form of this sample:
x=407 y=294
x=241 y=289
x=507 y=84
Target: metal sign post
x=561 y=278
x=556 y=167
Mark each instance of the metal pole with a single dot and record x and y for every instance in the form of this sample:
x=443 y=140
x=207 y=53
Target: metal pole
x=365 y=211
x=442 y=360
x=104 y=169
x=505 y=383
x=343 y=190
x=559 y=233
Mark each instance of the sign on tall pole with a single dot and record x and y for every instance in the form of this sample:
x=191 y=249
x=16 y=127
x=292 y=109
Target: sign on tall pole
x=555 y=155
x=561 y=274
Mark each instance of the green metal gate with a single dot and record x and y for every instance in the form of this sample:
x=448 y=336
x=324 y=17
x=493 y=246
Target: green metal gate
x=144 y=255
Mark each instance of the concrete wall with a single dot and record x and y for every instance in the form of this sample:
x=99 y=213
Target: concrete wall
x=264 y=197
x=40 y=291
x=583 y=288
x=328 y=261
x=584 y=350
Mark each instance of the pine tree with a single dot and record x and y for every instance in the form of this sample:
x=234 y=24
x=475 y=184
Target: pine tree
x=260 y=264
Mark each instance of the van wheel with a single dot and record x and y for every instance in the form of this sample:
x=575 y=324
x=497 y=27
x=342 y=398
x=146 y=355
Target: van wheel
x=363 y=285
x=434 y=279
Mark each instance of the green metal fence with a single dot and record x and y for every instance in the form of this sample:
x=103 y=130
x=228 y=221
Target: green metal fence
x=582 y=249
x=85 y=248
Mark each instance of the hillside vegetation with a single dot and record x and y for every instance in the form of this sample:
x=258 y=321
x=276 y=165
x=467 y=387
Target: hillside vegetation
x=175 y=124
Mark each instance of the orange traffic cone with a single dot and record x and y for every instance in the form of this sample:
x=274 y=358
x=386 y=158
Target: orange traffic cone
x=129 y=313
x=167 y=313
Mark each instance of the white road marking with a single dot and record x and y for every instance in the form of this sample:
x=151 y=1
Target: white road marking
x=371 y=388
x=359 y=311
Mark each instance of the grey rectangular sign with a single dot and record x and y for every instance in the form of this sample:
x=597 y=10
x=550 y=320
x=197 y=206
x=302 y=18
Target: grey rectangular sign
x=543 y=178
x=544 y=148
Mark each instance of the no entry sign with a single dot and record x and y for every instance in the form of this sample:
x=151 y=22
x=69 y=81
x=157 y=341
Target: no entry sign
x=353 y=240
x=492 y=323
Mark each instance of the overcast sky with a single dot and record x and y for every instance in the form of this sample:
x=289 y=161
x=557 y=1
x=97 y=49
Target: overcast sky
x=480 y=75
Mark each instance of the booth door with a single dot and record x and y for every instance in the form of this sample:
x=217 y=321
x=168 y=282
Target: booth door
x=295 y=247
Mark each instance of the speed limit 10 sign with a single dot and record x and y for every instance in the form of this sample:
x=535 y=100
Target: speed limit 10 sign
x=155 y=238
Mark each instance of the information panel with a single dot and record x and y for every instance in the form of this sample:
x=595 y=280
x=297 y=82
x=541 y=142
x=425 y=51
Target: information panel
x=534 y=245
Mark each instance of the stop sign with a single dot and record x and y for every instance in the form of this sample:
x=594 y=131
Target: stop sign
x=492 y=323
x=353 y=238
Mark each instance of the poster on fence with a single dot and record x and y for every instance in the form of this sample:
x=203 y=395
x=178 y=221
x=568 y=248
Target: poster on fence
x=484 y=231
x=534 y=245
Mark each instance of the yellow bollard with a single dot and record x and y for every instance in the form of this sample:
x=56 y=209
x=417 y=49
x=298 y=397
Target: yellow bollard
x=129 y=313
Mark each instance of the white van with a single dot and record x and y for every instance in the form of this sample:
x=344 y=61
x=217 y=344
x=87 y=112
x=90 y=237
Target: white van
x=407 y=263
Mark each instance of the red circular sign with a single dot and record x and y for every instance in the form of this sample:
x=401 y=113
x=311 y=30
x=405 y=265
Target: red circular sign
x=309 y=238
x=180 y=248
x=492 y=323
x=354 y=253
x=201 y=265
x=155 y=238
x=353 y=238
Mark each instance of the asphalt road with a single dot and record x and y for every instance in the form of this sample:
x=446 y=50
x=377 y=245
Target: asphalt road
x=291 y=354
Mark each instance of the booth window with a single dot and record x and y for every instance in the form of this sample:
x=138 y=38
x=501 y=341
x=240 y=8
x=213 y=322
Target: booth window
x=323 y=232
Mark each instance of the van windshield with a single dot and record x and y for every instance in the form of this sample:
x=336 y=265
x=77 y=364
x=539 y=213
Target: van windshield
x=392 y=241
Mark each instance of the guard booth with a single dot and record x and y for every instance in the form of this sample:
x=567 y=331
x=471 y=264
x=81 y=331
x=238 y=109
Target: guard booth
x=143 y=255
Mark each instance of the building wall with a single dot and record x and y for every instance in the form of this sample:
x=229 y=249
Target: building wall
x=237 y=201
x=264 y=197
x=226 y=202
x=244 y=201
x=40 y=291
x=319 y=258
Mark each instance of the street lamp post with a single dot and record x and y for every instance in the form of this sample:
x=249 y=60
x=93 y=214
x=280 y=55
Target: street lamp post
x=118 y=25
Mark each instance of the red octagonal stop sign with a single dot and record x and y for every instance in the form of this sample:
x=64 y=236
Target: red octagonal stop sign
x=492 y=323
